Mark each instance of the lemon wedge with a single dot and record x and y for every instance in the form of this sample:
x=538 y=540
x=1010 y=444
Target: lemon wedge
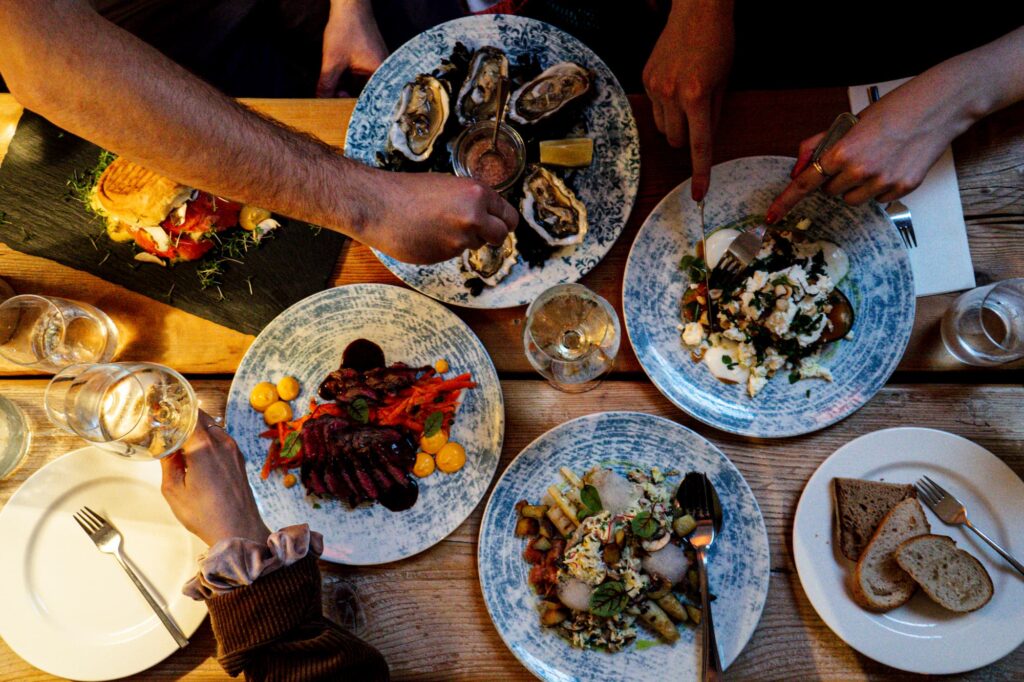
x=572 y=152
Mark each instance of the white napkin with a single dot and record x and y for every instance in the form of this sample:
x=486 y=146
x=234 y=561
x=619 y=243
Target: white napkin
x=942 y=260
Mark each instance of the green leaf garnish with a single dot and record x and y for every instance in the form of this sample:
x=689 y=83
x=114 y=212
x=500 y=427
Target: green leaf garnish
x=590 y=497
x=644 y=525
x=609 y=599
x=292 y=445
x=729 y=362
x=359 y=410
x=433 y=424
x=644 y=644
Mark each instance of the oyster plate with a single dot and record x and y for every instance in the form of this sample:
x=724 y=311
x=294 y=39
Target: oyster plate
x=607 y=187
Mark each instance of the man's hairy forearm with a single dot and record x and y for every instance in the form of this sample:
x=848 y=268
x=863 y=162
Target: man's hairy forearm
x=68 y=64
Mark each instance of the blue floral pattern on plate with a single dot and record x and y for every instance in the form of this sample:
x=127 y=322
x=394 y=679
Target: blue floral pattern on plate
x=880 y=285
x=607 y=188
x=306 y=341
x=739 y=563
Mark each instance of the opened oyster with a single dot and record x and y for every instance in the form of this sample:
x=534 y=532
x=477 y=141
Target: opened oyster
x=478 y=97
x=551 y=208
x=491 y=263
x=549 y=92
x=419 y=117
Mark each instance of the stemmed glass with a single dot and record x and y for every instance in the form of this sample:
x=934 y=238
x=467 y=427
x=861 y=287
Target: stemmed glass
x=140 y=410
x=571 y=337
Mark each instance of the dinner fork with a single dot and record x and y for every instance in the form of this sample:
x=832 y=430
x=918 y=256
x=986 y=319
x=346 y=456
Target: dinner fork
x=900 y=215
x=698 y=502
x=108 y=540
x=952 y=511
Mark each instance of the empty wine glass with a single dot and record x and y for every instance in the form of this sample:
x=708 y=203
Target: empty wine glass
x=50 y=333
x=571 y=337
x=985 y=326
x=140 y=410
x=15 y=436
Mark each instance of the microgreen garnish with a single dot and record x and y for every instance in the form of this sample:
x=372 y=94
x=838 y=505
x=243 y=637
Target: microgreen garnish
x=433 y=424
x=359 y=410
x=609 y=599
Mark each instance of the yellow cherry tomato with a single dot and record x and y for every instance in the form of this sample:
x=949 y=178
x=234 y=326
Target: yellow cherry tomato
x=432 y=444
x=288 y=388
x=250 y=216
x=277 y=412
x=451 y=458
x=441 y=366
x=290 y=480
x=263 y=395
x=424 y=465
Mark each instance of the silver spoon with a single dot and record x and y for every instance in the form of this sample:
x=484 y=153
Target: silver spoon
x=498 y=116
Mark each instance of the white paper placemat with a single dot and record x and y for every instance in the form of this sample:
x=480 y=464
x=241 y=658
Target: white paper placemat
x=942 y=259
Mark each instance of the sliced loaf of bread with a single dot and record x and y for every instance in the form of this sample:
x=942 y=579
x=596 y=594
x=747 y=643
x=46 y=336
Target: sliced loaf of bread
x=879 y=583
x=860 y=506
x=950 y=576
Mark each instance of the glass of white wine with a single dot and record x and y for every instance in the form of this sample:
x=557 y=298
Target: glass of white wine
x=140 y=410
x=50 y=333
x=571 y=337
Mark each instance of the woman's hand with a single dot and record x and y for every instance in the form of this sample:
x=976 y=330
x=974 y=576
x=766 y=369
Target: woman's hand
x=205 y=485
x=431 y=217
x=685 y=78
x=352 y=43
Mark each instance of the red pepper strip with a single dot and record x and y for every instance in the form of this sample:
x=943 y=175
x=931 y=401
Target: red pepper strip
x=272 y=454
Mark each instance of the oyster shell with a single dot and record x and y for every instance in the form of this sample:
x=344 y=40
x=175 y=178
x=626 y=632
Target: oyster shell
x=491 y=263
x=478 y=97
x=549 y=92
x=551 y=208
x=419 y=117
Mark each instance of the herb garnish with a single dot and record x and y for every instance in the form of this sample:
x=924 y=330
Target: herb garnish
x=292 y=445
x=359 y=410
x=644 y=525
x=433 y=424
x=609 y=599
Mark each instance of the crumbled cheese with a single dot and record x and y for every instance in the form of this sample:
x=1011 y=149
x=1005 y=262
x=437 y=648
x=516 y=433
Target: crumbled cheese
x=811 y=369
x=693 y=333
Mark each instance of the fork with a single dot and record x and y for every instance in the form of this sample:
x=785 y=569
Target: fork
x=700 y=507
x=108 y=540
x=900 y=215
x=953 y=513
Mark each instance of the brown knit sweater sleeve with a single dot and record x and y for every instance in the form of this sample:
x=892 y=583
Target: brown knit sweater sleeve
x=274 y=630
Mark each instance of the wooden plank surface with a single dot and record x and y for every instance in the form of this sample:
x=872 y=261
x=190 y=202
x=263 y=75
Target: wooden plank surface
x=990 y=168
x=428 y=608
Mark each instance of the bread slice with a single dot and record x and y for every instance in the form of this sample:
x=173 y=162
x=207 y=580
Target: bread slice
x=860 y=506
x=879 y=583
x=133 y=195
x=950 y=576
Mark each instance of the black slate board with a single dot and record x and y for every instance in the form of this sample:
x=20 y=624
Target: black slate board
x=40 y=216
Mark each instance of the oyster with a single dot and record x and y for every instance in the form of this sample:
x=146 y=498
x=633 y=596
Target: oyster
x=549 y=92
x=551 y=208
x=491 y=263
x=478 y=97
x=419 y=117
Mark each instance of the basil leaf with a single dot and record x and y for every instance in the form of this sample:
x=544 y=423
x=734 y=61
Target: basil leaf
x=590 y=497
x=292 y=445
x=359 y=410
x=583 y=513
x=644 y=525
x=608 y=599
x=433 y=424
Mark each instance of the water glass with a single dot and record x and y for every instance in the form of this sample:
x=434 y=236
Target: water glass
x=571 y=337
x=985 y=326
x=136 y=409
x=14 y=437
x=49 y=333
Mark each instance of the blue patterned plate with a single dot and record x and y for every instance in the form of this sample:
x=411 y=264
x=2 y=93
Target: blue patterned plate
x=739 y=562
x=607 y=188
x=306 y=341
x=880 y=285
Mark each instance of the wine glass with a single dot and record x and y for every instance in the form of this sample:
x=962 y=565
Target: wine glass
x=571 y=337
x=140 y=410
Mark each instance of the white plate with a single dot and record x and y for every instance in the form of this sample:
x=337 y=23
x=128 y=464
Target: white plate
x=67 y=608
x=919 y=636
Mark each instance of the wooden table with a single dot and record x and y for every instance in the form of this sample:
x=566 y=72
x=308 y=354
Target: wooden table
x=426 y=613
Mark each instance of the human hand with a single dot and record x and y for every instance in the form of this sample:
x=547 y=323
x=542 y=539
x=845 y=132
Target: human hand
x=885 y=156
x=431 y=217
x=685 y=78
x=352 y=43
x=205 y=485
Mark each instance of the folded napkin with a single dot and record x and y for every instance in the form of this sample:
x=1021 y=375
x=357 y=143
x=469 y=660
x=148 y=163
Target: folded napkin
x=942 y=259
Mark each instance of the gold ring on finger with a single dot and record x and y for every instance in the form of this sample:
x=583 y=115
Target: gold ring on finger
x=816 y=164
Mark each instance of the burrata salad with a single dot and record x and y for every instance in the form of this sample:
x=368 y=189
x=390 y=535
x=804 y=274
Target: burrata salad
x=608 y=553
x=777 y=316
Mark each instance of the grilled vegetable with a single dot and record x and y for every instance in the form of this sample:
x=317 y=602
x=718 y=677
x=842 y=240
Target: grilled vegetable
x=672 y=607
x=654 y=617
x=534 y=511
x=526 y=528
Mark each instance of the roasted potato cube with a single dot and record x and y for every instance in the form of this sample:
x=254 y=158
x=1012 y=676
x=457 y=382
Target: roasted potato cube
x=694 y=613
x=527 y=527
x=534 y=511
